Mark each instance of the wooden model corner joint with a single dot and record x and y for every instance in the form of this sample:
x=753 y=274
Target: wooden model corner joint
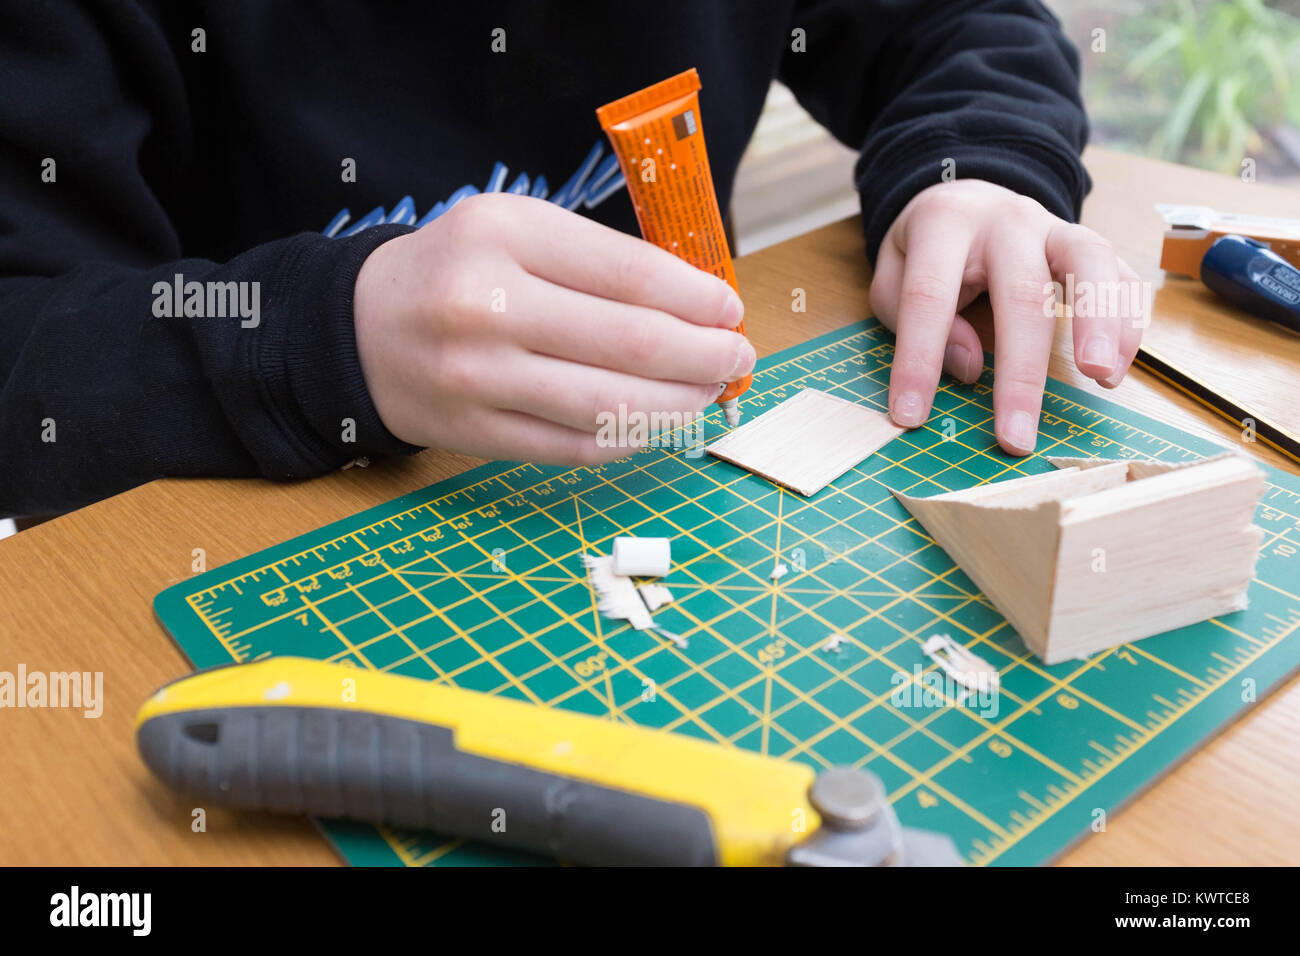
x=1102 y=552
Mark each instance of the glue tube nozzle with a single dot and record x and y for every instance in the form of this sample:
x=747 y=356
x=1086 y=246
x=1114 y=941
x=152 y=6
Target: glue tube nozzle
x=731 y=411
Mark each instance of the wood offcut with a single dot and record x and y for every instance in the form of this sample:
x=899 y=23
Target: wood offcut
x=807 y=441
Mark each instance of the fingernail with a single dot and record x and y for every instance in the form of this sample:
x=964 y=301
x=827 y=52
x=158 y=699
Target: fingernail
x=1113 y=381
x=733 y=312
x=1099 y=350
x=909 y=410
x=957 y=358
x=745 y=359
x=1022 y=431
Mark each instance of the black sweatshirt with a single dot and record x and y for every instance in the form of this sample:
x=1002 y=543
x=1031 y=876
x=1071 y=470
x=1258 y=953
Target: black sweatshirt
x=217 y=141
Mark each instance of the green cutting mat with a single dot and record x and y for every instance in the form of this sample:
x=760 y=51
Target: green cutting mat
x=476 y=581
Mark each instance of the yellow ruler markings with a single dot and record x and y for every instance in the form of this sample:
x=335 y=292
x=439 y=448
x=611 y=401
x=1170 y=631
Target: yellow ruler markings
x=590 y=684
x=1141 y=652
x=1164 y=724
x=771 y=629
x=329 y=625
x=394 y=629
x=215 y=630
x=491 y=658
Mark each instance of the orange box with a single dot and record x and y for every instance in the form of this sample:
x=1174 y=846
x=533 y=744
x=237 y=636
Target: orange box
x=1193 y=229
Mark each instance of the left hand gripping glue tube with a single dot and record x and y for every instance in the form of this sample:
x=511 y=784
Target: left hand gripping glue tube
x=659 y=141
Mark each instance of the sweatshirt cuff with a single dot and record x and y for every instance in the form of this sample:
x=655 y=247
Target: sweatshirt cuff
x=888 y=182
x=308 y=362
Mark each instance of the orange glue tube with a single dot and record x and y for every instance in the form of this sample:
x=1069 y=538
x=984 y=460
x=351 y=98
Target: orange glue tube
x=659 y=141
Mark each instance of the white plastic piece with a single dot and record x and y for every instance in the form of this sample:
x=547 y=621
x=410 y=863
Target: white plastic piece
x=961 y=664
x=833 y=643
x=655 y=596
x=677 y=639
x=642 y=557
x=616 y=595
x=779 y=571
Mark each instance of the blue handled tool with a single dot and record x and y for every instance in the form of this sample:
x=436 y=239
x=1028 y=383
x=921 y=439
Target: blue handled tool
x=1252 y=277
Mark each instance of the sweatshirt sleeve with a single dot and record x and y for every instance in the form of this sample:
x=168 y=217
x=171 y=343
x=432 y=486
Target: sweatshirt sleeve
x=985 y=88
x=104 y=382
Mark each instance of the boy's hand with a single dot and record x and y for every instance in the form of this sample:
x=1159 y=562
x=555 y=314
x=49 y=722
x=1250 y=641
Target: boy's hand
x=505 y=326
x=956 y=240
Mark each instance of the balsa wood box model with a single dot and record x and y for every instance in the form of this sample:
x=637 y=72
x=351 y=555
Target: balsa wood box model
x=1104 y=552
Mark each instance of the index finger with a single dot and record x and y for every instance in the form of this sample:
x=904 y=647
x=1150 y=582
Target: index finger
x=589 y=257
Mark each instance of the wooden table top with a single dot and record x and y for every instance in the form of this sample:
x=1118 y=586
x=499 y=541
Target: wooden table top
x=76 y=593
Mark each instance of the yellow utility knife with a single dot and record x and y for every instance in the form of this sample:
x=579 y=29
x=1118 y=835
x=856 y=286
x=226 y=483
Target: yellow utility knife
x=303 y=736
